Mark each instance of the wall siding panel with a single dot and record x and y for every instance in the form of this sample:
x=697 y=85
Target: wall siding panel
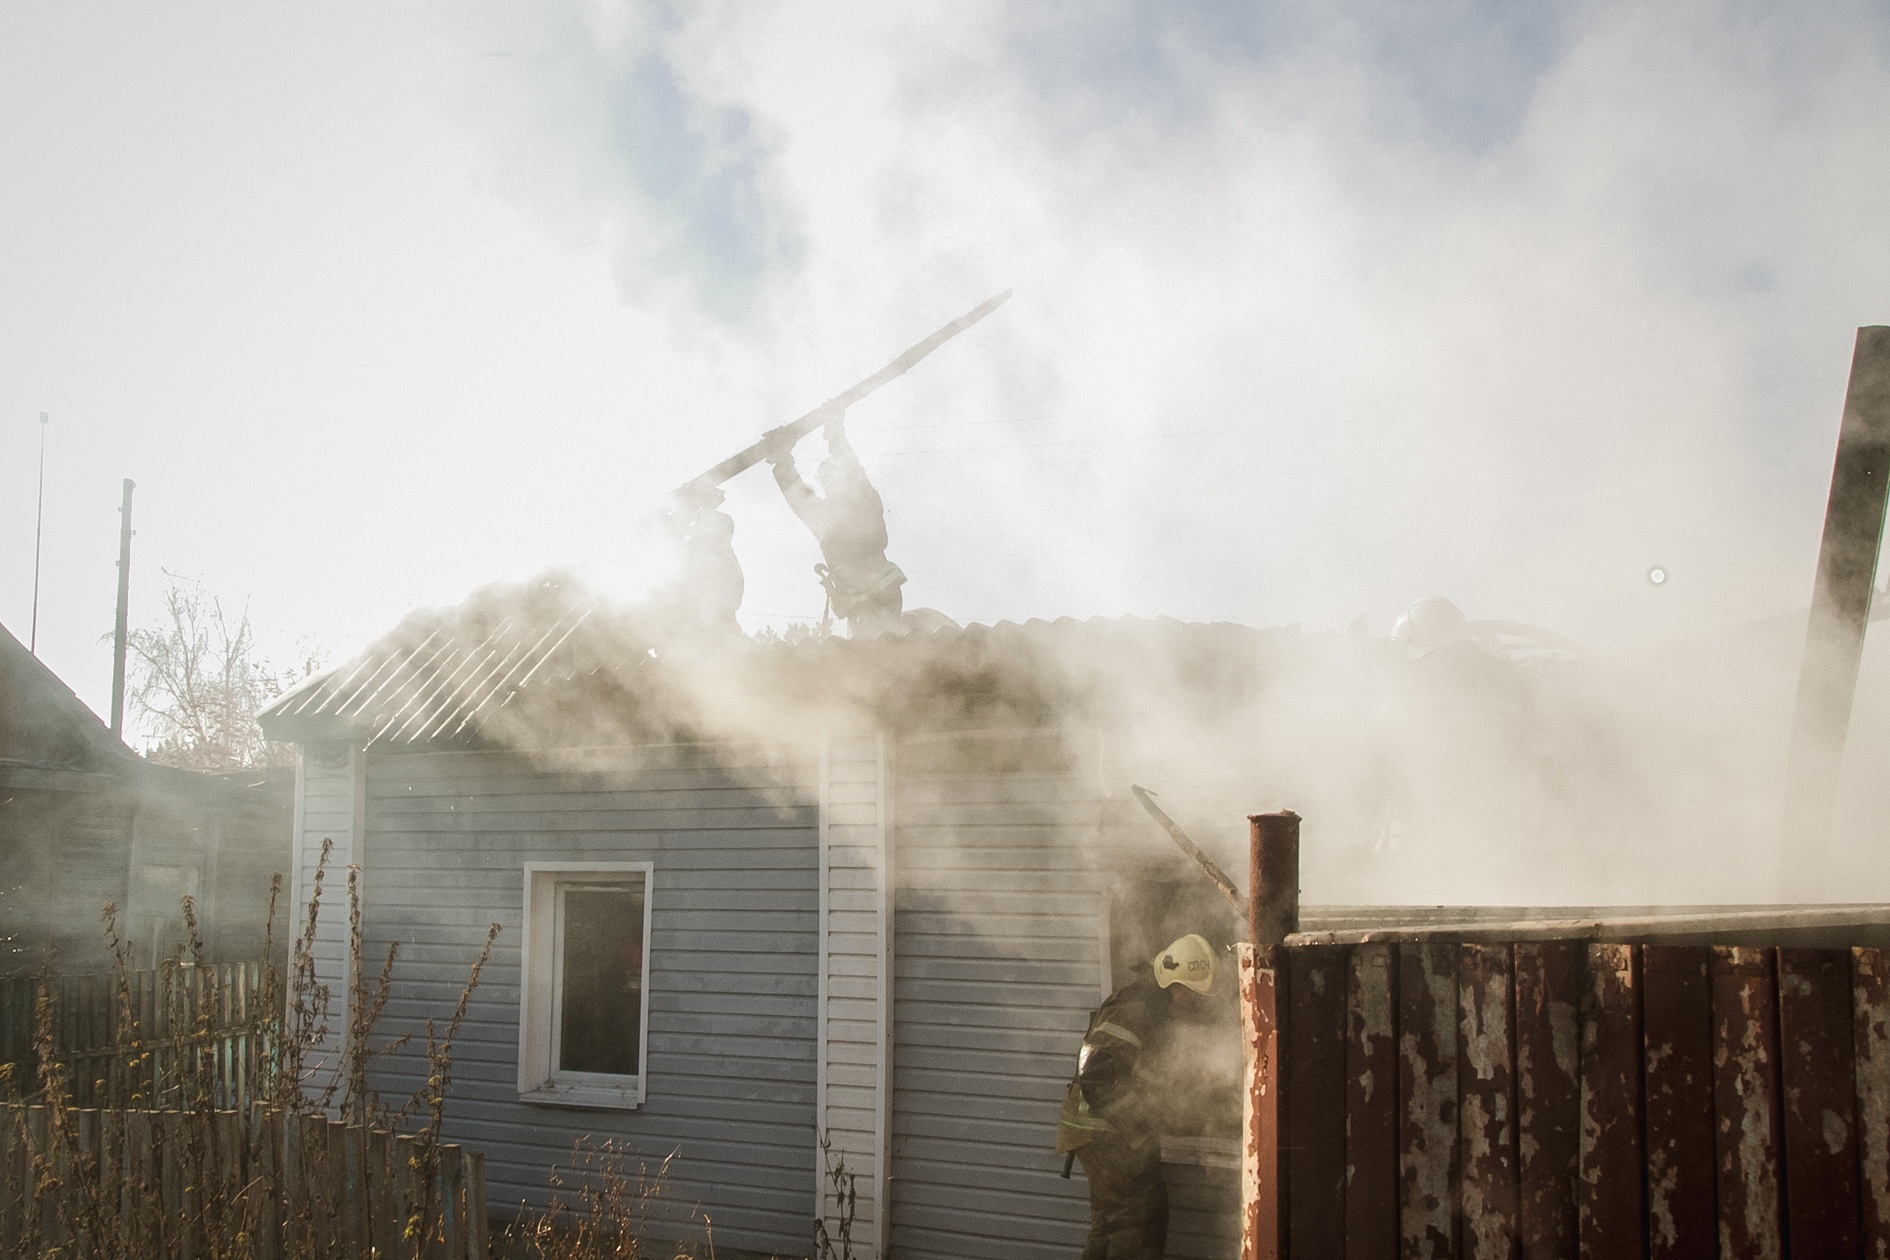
x=852 y=1071
x=732 y=834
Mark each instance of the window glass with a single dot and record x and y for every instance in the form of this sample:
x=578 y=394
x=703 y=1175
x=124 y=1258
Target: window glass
x=601 y=994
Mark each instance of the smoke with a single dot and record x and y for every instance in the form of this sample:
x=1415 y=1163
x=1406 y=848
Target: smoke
x=1318 y=311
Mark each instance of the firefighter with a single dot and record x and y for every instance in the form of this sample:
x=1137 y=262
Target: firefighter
x=1110 y=1112
x=849 y=521
x=700 y=602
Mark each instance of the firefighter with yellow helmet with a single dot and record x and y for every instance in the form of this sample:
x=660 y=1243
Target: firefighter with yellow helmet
x=1111 y=1108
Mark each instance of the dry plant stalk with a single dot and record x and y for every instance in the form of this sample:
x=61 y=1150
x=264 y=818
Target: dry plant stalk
x=607 y=1220
x=200 y=1179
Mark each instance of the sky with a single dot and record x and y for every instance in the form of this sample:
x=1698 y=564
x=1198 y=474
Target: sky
x=1319 y=308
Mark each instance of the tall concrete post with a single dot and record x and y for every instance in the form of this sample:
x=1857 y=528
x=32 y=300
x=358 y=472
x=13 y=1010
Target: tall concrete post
x=1840 y=608
x=121 y=627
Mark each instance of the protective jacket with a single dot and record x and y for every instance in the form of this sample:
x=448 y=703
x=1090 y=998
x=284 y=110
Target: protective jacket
x=1110 y=1099
x=849 y=523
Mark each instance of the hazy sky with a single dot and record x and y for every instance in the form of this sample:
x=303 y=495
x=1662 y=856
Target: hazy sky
x=1319 y=308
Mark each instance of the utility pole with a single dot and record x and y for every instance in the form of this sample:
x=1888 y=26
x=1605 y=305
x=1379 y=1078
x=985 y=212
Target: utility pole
x=124 y=612
x=1840 y=610
x=39 y=527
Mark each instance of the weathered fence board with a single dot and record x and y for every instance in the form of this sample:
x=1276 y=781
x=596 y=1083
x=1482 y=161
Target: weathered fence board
x=1745 y=1061
x=1371 y=1105
x=1548 y=979
x=1818 y=1085
x=1677 y=1027
x=1486 y=1104
x=1539 y=1099
x=1427 y=1052
x=190 y=1183
x=1870 y=1003
x=172 y=1036
x=1313 y=1096
x=1610 y=1196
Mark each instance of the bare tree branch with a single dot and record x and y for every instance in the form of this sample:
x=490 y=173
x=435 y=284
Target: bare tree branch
x=199 y=683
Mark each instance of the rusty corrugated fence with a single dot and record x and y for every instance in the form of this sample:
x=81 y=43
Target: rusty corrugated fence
x=1560 y=1098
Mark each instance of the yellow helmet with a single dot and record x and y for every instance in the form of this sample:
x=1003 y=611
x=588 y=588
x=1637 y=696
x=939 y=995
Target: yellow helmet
x=1190 y=961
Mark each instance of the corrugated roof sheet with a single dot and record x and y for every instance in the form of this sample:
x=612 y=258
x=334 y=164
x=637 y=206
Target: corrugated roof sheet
x=433 y=688
x=550 y=660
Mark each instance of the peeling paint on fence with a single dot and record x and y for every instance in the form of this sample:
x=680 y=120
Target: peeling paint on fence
x=1548 y=980
x=1313 y=1038
x=1817 y=1084
x=1677 y=1027
x=1486 y=1084
x=1371 y=1105
x=1427 y=1052
x=1870 y=1004
x=1609 y=1197
x=1745 y=1071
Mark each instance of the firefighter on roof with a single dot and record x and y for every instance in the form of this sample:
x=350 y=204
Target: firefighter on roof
x=849 y=521
x=1111 y=1109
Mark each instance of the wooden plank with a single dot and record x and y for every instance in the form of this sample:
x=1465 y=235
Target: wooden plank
x=1314 y=1100
x=449 y=1193
x=1677 y=1029
x=1262 y=1217
x=1371 y=1105
x=1745 y=1089
x=1487 y=1104
x=387 y=1223
x=1818 y=1085
x=477 y=1245
x=1548 y=981
x=1609 y=1195
x=1870 y=1005
x=1427 y=1089
x=348 y=1146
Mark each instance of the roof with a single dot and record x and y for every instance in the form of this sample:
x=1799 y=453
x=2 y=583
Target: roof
x=42 y=723
x=550 y=662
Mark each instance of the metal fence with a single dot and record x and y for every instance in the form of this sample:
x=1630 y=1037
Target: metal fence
x=1557 y=1098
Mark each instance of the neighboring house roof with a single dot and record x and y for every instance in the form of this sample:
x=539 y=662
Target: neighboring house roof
x=43 y=725
x=50 y=740
x=551 y=662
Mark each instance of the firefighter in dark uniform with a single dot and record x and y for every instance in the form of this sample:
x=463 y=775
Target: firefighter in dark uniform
x=1111 y=1110
x=848 y=520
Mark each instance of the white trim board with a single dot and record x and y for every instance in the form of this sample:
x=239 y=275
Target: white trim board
x=853 y=1089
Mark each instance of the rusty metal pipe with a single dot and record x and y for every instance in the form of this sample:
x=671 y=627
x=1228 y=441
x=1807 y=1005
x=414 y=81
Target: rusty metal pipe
x=1273 y=877
x=1273 y=913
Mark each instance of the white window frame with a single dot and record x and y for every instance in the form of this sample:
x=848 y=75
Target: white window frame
x=539 y=1080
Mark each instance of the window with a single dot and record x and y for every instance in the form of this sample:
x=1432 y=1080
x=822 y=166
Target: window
x=584 y=992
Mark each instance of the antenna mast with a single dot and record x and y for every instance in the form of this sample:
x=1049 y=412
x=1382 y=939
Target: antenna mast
x=39 y=528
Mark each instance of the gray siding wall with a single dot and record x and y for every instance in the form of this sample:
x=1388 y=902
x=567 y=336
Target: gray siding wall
x=996 y=968
x=328 y=807
x=852 y=1061
x=732 y=833
x=998 y=961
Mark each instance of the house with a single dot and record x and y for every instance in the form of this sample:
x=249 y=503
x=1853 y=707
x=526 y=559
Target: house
x=84 y=821
x=859 y=892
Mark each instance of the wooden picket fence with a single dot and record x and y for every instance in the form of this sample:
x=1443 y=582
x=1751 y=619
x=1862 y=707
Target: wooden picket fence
x=287 y=1186
x=196 y=1032
x=1550 y=1098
